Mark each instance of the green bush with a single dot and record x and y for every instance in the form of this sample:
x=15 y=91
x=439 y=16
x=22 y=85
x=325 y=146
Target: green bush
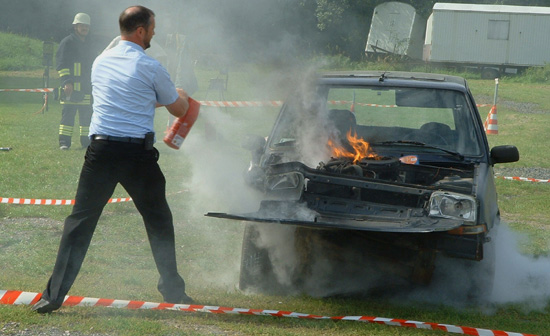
x=19 y=53
x=536 y=75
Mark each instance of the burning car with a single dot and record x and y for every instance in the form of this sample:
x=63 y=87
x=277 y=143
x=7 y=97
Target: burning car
x=377 y=174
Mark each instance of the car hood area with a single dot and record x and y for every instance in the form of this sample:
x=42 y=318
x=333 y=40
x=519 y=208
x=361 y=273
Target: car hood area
x=385 y=196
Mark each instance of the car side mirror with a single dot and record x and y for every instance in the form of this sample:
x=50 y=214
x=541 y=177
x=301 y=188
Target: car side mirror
x=504 y=154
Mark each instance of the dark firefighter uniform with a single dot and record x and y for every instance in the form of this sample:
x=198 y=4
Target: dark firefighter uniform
x=74 y=63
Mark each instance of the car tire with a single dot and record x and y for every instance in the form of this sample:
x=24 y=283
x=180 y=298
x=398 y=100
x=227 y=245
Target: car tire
x=489 y=73
x=256 y=272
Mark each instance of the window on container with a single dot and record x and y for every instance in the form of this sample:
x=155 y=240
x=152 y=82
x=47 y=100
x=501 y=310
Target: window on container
x=498 y=29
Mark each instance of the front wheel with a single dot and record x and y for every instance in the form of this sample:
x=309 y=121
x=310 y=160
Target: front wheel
x=257 y=268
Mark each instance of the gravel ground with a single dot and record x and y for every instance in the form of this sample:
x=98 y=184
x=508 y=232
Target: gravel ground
x=527 y=108
x=15 y=329
x=529 y=172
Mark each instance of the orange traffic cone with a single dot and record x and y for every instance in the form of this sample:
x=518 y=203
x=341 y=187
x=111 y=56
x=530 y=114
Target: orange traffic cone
x=490 y=124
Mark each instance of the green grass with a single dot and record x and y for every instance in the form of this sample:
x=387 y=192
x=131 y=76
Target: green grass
x=119 y=263
x=19 y=52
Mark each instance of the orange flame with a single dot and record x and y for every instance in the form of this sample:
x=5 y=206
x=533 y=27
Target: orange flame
x=361 y=149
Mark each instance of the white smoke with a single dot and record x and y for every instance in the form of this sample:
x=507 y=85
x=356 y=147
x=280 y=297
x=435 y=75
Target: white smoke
x=519 y=278
x=279 y=242
x=313 y=121
x=219 y=163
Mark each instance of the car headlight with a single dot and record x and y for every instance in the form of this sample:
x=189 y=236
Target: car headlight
x=453 y=206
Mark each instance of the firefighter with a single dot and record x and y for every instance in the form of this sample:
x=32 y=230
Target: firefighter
x=74 y=60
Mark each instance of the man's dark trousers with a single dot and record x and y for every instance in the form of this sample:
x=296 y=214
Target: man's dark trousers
x=106 y=164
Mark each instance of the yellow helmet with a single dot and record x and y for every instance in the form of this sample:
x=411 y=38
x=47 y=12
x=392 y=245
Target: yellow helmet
x=82 y=18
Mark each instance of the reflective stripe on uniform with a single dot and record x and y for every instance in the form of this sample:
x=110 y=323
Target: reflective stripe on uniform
x=77 y=70
x=66 y=130
x=86 y=101
x=64 y=72
x=77 y=73
x=84 y=130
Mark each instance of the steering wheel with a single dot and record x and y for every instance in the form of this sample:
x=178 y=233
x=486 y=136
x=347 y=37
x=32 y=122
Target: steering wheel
x=430 y=138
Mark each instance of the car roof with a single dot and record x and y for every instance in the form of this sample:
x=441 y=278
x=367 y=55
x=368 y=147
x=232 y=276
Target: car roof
x=399 y=76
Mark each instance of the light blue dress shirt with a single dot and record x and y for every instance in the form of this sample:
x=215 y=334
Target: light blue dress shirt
x=126 y=85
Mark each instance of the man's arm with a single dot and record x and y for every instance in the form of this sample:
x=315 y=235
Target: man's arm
x=180 y=106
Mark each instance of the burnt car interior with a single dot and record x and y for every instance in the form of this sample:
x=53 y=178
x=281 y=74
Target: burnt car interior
x=374 y=133
x=432 y=117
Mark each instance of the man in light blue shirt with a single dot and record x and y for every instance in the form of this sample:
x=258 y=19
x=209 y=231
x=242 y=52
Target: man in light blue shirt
x=127 y=85
x=135 y=88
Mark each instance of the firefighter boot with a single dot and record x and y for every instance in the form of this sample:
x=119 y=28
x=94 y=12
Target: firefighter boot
x=64 y=142
x=65 y=135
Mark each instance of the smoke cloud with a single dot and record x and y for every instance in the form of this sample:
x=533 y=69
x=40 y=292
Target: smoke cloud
x=520 y=278
x=218 y=166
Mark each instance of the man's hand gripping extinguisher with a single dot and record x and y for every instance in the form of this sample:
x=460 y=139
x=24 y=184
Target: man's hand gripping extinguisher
x=182 y=125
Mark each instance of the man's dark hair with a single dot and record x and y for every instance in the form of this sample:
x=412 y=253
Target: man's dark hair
x=134 y=17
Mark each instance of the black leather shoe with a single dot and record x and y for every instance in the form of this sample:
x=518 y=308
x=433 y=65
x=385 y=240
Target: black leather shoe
x=185 y=299
x=45 y=307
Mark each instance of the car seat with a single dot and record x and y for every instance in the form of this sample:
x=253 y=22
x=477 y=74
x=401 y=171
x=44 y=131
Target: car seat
x=437 y=133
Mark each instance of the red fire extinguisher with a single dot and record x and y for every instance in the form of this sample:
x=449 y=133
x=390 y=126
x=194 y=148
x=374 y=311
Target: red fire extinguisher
x=181 y=126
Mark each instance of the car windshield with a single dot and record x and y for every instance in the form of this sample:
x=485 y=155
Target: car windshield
x=395 y=117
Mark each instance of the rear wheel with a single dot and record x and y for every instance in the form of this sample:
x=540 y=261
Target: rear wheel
x=489 y=73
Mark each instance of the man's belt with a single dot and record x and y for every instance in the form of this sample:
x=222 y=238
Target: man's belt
x=118 y=139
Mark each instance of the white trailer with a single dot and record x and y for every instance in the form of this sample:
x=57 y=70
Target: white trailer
x=396 y=29
x=492 y=38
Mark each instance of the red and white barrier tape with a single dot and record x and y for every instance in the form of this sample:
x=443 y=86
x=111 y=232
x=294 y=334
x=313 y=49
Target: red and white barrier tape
x=223 y=103
x=33 y=201
x=527 y=179
x=238 y=103
x=29 y=298
x=28 y=90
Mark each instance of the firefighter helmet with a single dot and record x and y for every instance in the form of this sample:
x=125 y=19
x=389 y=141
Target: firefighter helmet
x=82 y=18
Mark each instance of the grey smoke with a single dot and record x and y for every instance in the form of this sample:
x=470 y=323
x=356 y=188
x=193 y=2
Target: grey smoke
x=519 y=277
